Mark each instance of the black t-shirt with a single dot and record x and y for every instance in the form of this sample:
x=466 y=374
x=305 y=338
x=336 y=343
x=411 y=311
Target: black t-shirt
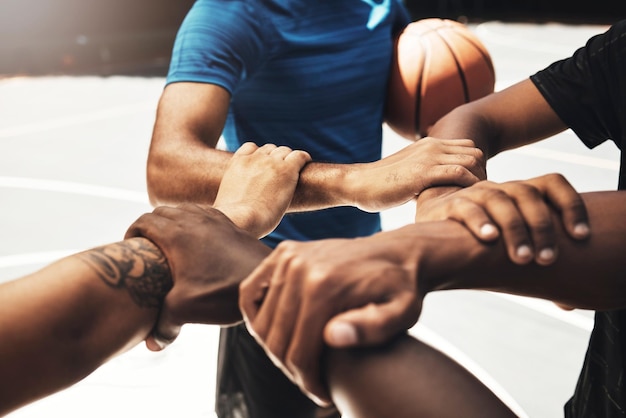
x=588 y=92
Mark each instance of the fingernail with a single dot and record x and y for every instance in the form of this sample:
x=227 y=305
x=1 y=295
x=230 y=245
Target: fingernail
x=524 y=251
x=343 y=334
x=160 y=343
x=547 y=254
x=581 y=229
x=488 y=230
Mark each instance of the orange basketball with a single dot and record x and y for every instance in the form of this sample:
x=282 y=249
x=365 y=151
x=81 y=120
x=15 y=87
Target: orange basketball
x=438 y=65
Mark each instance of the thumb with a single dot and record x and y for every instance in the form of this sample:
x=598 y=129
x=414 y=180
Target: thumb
x=372 y=324
x=158 y=342
x=163 y=334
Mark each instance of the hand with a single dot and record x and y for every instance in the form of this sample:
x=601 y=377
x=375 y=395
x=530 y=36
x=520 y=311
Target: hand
x=258 y=186
x=428 y=162
x=342 y=292
x=519 y=210
x=208 y=257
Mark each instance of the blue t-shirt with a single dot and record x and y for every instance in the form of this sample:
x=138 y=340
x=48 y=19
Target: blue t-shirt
x=309 y=75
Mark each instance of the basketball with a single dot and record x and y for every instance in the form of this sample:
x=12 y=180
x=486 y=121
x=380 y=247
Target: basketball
x=438 y=64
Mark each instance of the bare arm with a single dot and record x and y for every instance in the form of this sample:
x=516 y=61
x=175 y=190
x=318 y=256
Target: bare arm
x=184 y=166
x=516 y=116
x=406 y=378
x=363 y=291
x=62 y=322
x=588 y=274
x=59 y=324
x=508 y=119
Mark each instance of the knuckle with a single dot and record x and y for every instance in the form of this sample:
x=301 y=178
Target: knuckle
x=516 y=226
x=543 y=227
x=556 y=177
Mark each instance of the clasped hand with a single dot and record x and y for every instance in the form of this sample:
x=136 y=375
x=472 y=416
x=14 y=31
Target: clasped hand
x=210 y=250
x=517 y=211
x=400 y=177
x=344 y=293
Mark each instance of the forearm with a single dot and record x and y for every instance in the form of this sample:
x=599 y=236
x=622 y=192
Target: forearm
x=194 y=175
x=62 y=322
x=587 y=274
x=513 y=117
x=364 y=383
x=178 y=174
x=467 y=122
x=324 y=185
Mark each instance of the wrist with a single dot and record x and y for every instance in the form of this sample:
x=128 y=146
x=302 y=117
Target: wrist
x=241 y=216
x=323 y=185
x=444 y=253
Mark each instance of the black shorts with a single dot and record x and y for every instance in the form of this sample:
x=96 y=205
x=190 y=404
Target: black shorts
x=250 y=386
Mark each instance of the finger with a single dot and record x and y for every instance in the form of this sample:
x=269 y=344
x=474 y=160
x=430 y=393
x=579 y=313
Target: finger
x=303 y=358
x=505 y=213
x=156 y=342
x=461 y=142
x=266 y=149
x=469 y=157
x=475 y=218
x=307 y=342
x=262 y=323
x=246 y=148
x=252 y=293
x=280 y=152
x=284 y=318
x=298 y=156
x=538 y=219
x=568 y=201
x=144 y=224
x=372 y=324
x=451 y=174
x=165 y=331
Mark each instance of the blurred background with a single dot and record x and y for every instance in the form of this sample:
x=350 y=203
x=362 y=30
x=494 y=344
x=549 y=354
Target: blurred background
x=108 y=37
x=79 y=85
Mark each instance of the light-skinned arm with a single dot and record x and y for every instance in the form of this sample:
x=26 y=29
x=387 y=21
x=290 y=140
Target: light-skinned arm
x=184 y=166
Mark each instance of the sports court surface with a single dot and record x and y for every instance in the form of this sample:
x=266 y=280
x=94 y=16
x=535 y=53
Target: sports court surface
x=72 y=176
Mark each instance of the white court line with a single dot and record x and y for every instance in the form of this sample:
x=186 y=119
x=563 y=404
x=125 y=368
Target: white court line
x=435 y=340
x=550 y=154
x=484 y=32
x=73 y=187
x=44 y=257
x=76 y=119
x=550 y=309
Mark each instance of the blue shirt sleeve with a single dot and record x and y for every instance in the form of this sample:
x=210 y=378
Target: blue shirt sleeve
x=219 y=42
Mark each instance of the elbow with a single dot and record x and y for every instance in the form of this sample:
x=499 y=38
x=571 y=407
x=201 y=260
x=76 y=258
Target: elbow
x=156 y=180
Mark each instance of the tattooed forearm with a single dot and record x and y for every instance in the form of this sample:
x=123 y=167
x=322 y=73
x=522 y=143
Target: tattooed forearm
x=136 y=265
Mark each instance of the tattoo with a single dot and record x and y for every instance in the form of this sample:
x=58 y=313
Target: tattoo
x=136 y=265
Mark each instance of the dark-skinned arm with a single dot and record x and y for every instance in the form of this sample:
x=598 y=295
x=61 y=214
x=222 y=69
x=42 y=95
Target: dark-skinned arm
x=514 y=117
x=364 y=291
x=59 y=324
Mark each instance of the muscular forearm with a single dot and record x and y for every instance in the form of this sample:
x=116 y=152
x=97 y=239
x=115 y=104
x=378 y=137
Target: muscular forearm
x=62 y=322
x=587 y=274
x=194 y=175
x=178 y=174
